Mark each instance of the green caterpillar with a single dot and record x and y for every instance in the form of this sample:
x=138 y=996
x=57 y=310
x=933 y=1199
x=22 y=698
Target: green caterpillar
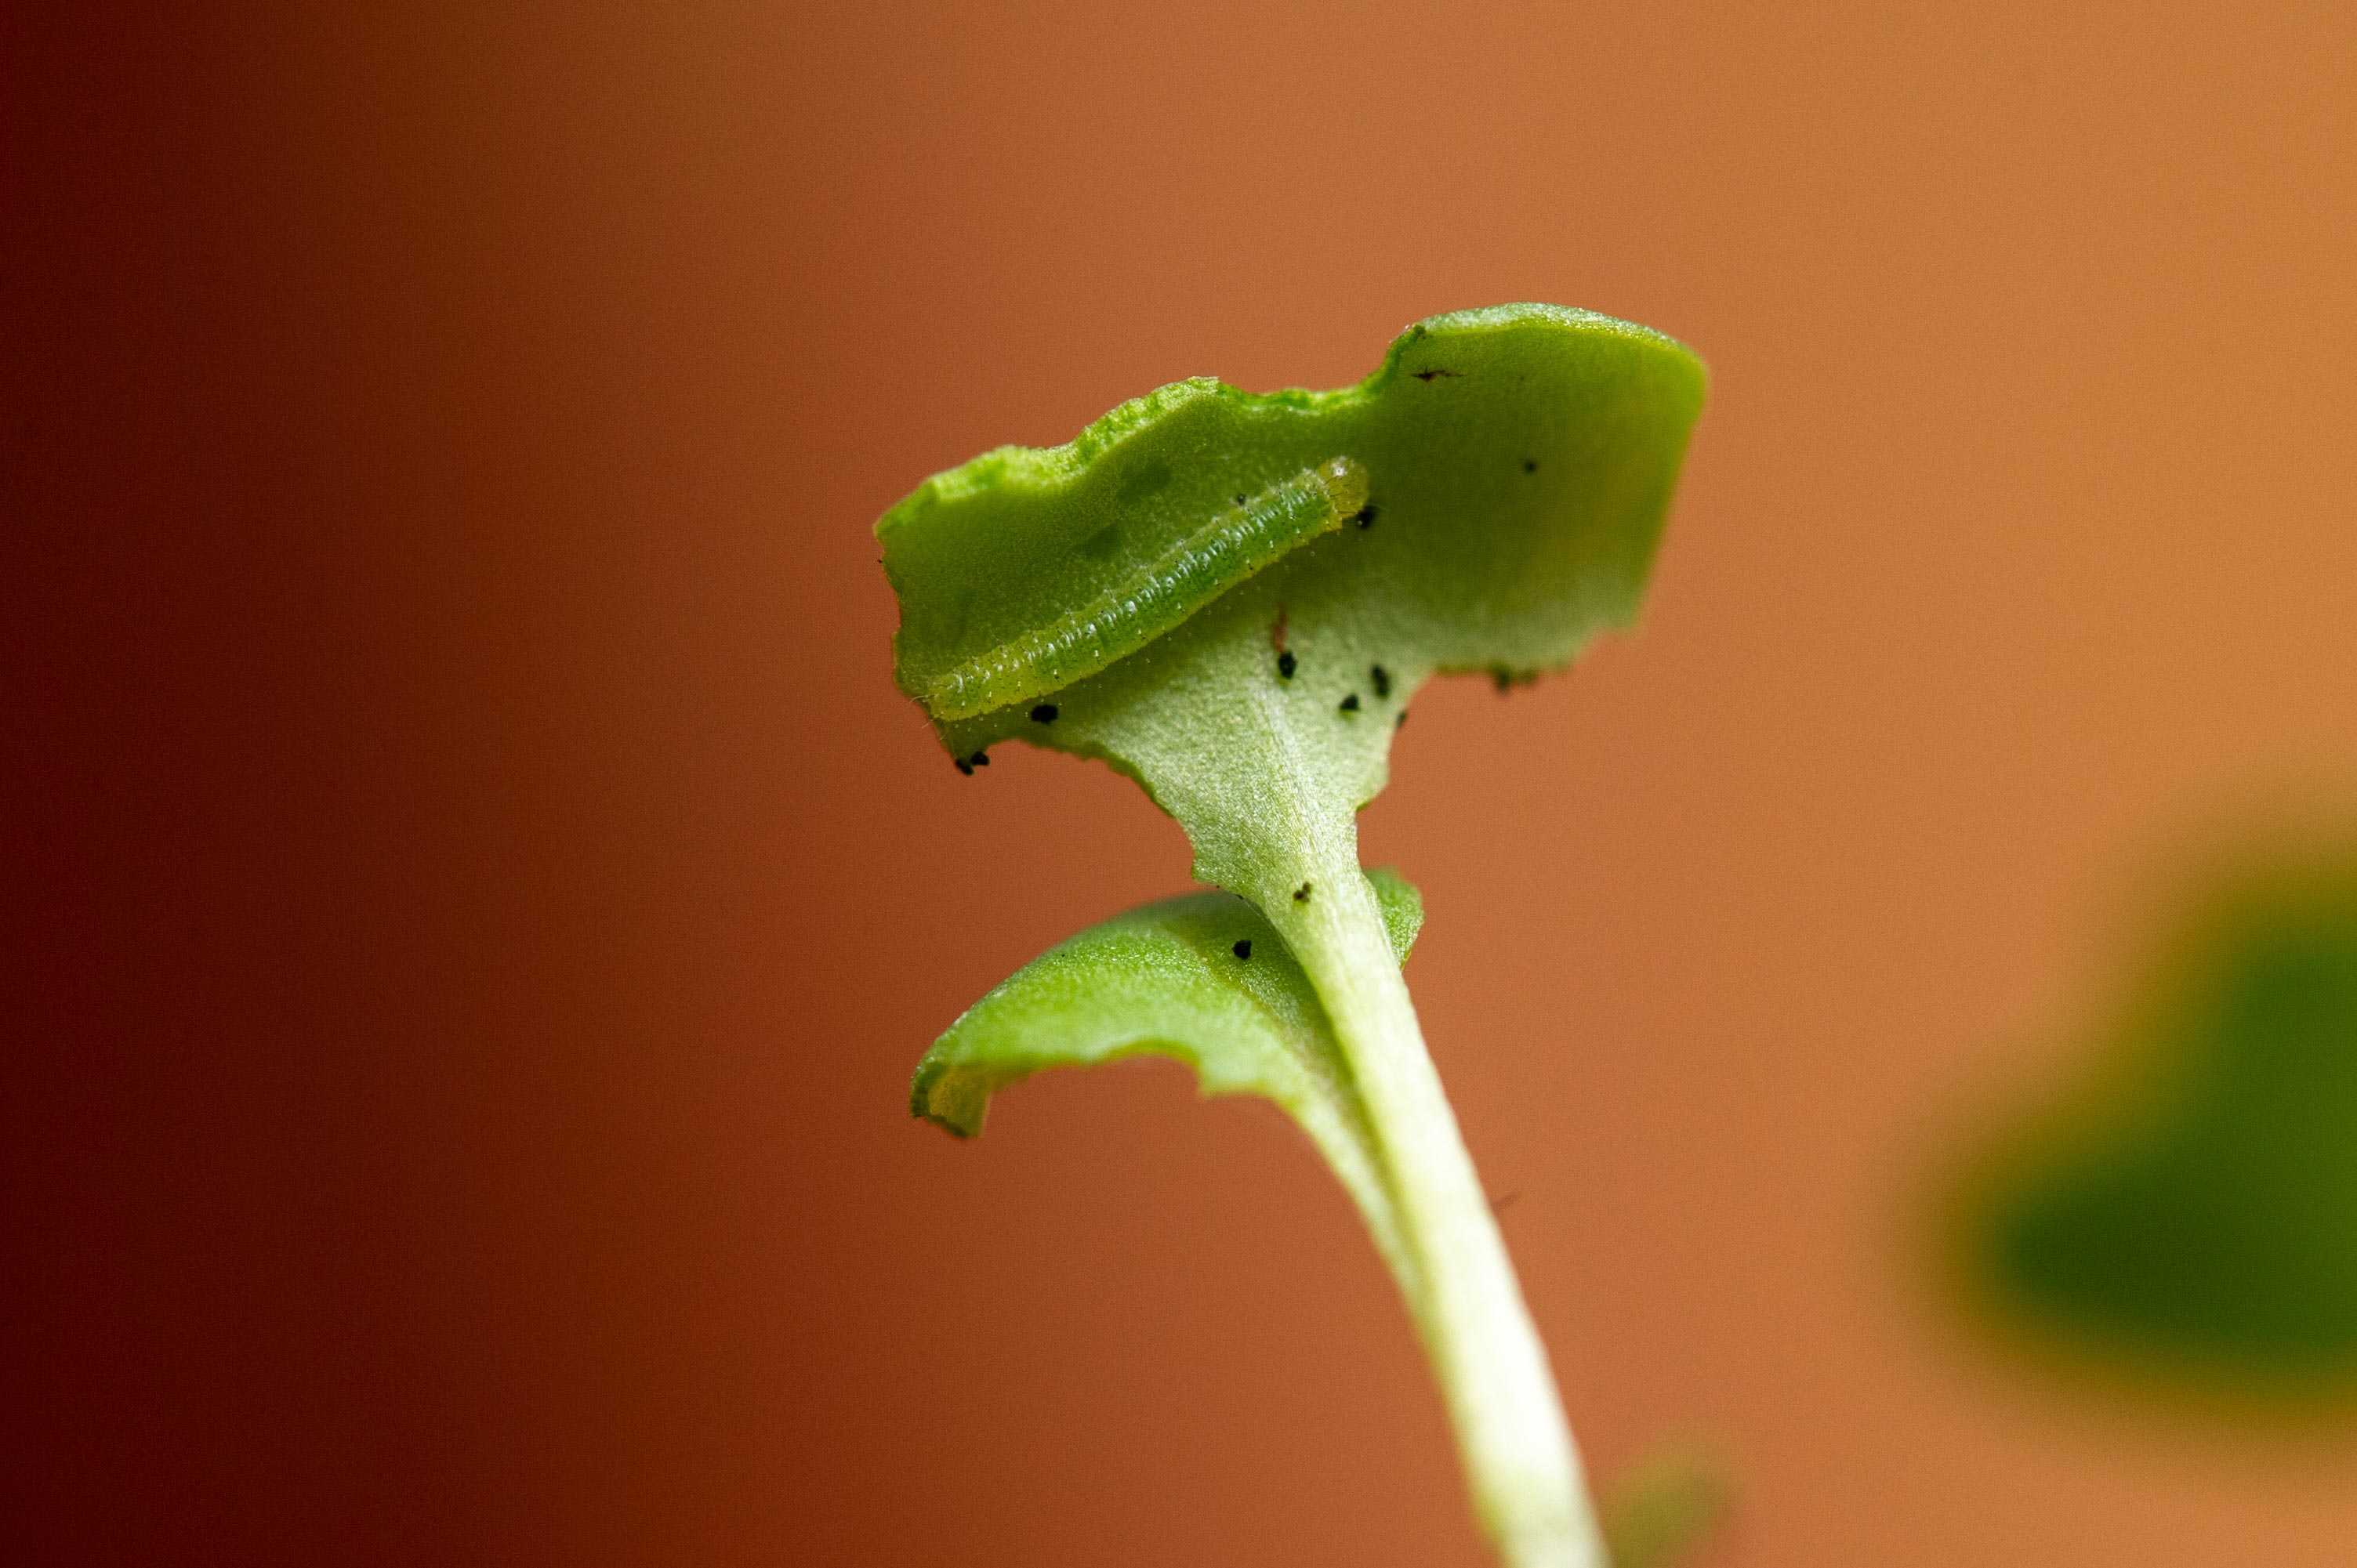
x=1230 y=545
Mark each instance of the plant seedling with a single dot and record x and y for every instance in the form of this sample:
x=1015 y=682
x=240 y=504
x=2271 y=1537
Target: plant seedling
x=1233 y=598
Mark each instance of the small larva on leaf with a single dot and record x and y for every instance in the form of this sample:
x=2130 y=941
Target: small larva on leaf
x=1230 y=546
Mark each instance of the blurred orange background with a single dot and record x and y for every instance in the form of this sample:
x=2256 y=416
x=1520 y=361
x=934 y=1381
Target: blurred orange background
x=477 y=899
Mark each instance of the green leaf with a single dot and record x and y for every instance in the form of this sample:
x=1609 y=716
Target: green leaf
x=1519 y=459
x=2187 y=1218
x=1167 y=980
x=1518 y=462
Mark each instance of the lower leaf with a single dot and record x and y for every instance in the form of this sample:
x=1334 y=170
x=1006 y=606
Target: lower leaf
x=1202 y=978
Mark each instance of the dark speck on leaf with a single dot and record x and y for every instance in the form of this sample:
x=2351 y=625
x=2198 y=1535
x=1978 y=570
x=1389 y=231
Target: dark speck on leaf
x=1244 y=947
x=1530 y=465
x=980 y=759
x=964 y=767
x=1427 y=375
x=1382 y=679
x=1350 y=704
x=1503 y=680
x=1240 y=500
x=1301 y=893
x=1286 y=664
x=1365 y=516
x=1044 y=713
x=1400 y=719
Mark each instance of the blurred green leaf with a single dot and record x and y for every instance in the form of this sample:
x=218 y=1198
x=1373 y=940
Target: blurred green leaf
x=1660 y=1512
x=2190 y=1216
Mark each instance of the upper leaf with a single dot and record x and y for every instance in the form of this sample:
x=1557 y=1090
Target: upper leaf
x=1508 y=469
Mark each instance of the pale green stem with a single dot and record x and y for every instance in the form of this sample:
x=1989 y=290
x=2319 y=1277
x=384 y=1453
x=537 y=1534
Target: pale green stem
x=1265 y=811
x=1520 y=1463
